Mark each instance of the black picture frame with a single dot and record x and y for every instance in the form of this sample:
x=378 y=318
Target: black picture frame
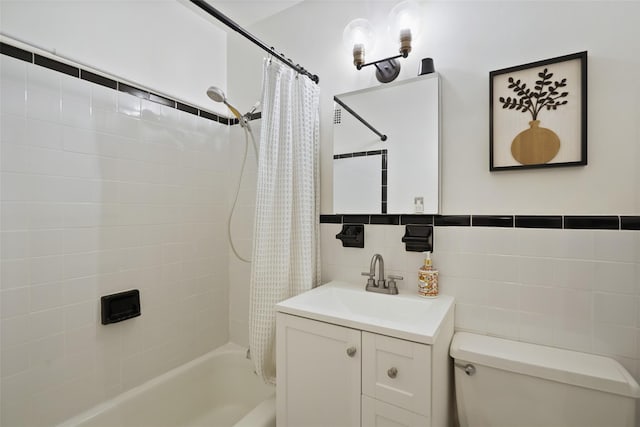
x=551 y=92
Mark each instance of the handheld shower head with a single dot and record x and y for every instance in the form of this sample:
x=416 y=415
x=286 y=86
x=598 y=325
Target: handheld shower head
x=217 y=95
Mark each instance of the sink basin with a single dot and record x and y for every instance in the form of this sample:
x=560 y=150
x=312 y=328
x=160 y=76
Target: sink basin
x=405 y=316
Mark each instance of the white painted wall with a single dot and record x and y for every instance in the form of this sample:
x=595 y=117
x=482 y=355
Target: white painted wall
x=159 y=44
x=468 y=40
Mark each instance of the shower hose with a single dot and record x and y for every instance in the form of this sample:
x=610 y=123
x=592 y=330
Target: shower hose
x=244 y=123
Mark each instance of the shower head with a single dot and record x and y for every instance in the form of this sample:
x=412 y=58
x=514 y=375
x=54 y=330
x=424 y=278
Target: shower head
x=217 y=95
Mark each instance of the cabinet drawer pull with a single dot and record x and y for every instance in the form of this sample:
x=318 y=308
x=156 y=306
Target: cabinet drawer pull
x=392 y=372
x=351 y=351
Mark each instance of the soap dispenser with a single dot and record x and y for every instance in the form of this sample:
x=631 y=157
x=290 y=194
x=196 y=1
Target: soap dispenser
x=428 y=278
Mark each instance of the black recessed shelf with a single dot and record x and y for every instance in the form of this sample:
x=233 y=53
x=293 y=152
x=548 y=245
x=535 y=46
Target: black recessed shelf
x=351 y=235
x=418 y=238
x=121 y=306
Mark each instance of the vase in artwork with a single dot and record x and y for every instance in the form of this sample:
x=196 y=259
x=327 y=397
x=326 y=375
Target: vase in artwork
x=536 y=145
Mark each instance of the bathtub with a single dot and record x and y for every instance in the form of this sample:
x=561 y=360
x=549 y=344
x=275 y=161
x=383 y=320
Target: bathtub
x=217 y=389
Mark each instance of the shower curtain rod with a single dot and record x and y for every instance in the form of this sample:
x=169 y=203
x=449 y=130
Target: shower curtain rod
x=202 y=4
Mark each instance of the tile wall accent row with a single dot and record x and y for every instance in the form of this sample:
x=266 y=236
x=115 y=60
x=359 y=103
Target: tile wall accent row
x=575 y=222
x=62 y=67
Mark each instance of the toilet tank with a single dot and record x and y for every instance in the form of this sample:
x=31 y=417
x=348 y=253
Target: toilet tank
x=500 y=382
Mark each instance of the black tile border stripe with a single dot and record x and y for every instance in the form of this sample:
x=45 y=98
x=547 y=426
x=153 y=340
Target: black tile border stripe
x=16 y=52
x=416 y=219
x=492 y=220
x=98 y=79
x=592 y=222
x=538 y=221
x=132 y=90
x=559 y=222
x=54 y=65
x=355 y=219
x=452 y=220
x=62 y=67
x=158 y=99
x=385 y=219
x=630 y=222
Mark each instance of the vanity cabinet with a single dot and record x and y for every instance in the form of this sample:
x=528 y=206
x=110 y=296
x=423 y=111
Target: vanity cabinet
x=331 y=375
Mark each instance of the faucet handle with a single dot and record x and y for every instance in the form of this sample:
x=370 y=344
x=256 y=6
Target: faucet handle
x=370 y=281
x=393 y=289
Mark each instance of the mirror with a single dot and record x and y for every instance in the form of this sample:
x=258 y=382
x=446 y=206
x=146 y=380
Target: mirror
x=400 y=175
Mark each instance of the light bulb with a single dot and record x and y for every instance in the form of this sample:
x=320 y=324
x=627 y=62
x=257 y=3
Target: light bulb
x=358 y=37
x=404 y=21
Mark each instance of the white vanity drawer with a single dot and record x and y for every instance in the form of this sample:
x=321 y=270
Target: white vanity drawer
x=397 y=372
x=379 y=414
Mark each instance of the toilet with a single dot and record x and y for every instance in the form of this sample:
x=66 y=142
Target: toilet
x=503 y=383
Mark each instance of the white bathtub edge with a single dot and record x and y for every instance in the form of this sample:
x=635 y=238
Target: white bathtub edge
x=109 y=404
x=263 y=415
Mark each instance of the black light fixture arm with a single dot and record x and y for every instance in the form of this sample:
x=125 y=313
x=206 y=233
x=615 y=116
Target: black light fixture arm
x=402 y=55
x=202 y=4
x=382 y=136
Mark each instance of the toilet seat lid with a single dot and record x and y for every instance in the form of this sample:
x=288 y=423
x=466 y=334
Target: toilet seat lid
x=565 y=366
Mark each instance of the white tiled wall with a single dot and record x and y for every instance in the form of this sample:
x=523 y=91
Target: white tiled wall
x=103 y=192
x=575 y=289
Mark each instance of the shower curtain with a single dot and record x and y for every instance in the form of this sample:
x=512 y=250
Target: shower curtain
x=285 y=239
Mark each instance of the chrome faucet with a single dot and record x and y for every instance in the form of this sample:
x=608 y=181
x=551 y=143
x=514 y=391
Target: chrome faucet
x=381 y=285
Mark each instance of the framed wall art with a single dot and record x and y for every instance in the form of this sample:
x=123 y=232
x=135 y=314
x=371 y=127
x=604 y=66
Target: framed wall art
x=538 y=114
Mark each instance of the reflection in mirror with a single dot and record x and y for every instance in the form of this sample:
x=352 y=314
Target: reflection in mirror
x=406 y=178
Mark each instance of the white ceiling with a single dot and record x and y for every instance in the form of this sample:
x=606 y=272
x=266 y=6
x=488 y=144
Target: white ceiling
x=247 y=12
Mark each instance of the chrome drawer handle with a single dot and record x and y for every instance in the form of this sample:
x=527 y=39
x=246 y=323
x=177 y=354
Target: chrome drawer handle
x=392 y=372
x=351 y=351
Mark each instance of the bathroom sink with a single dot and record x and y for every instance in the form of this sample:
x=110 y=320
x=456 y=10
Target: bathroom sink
x=405 y=316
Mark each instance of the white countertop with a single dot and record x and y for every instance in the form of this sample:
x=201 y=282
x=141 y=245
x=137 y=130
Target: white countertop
x=406 y=316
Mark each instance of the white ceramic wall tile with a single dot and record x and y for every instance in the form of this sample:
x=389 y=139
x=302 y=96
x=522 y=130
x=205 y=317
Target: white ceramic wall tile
x=14 y=302
x=615 y=340
x=617 y=246
x=14 y=273
x=617 y=309
x=616 y=277
x=96 y=201
x=13 y=84
x=503 y=323
x=536 y=328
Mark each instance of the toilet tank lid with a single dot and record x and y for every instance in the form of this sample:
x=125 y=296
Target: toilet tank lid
x=565 y=366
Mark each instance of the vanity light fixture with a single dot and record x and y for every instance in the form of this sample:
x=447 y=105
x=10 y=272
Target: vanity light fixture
x=359 y=35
